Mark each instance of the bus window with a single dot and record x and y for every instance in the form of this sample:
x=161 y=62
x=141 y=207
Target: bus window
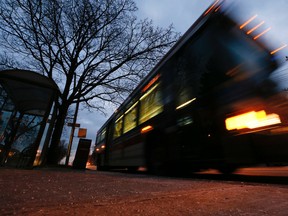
x=151 y=104
x=130 y=118
x=102 y=135
x=118 y=127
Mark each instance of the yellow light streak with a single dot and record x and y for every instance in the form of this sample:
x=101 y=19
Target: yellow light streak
x=185 y=104
x=131 y=107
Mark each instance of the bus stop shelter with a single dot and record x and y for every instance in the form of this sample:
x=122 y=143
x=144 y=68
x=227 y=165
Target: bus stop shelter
x=26 y=99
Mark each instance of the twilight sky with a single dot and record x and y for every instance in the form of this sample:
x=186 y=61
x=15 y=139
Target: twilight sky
x=182 y=14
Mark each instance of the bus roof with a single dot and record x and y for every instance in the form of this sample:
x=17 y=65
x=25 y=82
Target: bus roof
x=219 y=7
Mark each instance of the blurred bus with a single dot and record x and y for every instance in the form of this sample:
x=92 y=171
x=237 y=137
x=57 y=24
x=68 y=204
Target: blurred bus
x=209 y=103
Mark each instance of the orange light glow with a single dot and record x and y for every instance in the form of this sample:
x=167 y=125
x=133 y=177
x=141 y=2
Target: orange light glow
x=151 y=82
x=278 y=49
x=251 y=120
x=97 y=149
x=254 y=28
x=210 y=8
x=146 y=129
x=259 y=35
x=102 y=146
x=217 y=9
x=10 y=154
x=248 y=21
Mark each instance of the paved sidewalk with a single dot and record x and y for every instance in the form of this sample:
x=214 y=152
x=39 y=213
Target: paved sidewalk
x=64 y=191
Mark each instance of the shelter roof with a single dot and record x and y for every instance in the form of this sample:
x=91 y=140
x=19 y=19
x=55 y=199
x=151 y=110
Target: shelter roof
x=31 y=92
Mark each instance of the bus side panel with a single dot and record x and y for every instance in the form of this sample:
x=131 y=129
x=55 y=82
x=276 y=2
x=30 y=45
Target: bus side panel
x=271 y=149
x=239 y=150
x=127 y=152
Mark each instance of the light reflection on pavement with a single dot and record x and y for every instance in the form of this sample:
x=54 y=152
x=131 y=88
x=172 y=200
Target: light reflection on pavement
x=256 y=171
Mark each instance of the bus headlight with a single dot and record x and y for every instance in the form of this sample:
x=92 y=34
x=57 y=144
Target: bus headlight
x=251 y=120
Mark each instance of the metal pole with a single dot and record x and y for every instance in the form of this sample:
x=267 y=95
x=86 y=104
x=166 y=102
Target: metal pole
x=43 y=156
x=72 y=134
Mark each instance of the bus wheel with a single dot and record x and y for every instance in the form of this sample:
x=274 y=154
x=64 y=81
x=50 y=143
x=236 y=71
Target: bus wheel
x=227 y=169
x=132 y=169
x=102 y=168
x=156 y=154
x=99 y=164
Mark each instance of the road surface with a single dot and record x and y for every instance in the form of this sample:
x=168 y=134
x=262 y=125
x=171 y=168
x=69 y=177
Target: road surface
x=63 y=191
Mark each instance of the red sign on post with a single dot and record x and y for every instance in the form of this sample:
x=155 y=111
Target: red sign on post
x=82 y=132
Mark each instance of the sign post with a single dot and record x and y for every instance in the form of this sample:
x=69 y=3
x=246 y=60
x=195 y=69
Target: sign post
x=73 y=125
x=82 y=154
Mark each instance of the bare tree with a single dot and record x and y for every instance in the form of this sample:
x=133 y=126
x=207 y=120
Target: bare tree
x=95 y=50
x=6 y=62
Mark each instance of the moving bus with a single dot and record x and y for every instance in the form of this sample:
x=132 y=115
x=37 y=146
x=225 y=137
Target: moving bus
x=209 y=103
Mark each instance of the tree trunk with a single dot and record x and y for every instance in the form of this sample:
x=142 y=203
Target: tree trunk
x=52 y=156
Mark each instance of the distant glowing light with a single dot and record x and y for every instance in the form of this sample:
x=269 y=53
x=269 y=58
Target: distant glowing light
x=102 y=146
x=251 y=120
x=248 y=21
x=259 y=35
x=10 y=154
x=254 y=28
x=278 y=49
